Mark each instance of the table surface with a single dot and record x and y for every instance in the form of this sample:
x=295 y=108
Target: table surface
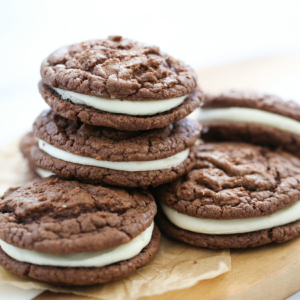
x=269 y=272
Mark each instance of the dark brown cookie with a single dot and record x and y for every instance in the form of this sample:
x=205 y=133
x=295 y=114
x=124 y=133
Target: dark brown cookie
x=113 y=145
x=98 y=175
x=260 y=134
x=82 y=276
x=60 y=217
x=270 y=103
x=234 y=181
x=278 y=234
x=92 y=116
x=118 y=68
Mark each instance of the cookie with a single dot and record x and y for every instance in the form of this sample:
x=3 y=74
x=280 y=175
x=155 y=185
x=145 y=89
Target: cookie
x=26 y=144
x=119 y=83
x=279 y=234
x=251 y=117
x=238 y=195
x=93 y=154
x=70 y=233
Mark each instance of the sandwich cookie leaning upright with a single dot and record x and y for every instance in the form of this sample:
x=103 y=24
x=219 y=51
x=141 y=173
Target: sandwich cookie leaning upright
x=257 y=118
x=237 y=196
x=70 y=233
x=27 y=142
x=119 y=83
x=94 y=154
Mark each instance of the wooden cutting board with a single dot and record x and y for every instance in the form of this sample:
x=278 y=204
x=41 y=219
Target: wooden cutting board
x=268 y=272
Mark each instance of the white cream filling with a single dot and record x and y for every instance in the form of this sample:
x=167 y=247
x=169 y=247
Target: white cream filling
x=250 y=115
x=43 y=173
x=117 y=106
x=93 y=259
x=129 y=166
x=210 y=226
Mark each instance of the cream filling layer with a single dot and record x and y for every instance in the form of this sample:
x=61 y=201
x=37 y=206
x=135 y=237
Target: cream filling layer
x=129 y=166
x=250 y=115
x=210 y=226
x=43 y=173
x=93 y=259
x=117 y=106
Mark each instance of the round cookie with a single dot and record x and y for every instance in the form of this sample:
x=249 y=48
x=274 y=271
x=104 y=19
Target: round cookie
x=26 y=144
x=59 y=217
x=232 y=182
x=256 y=118
x=157 y=148
x=97 y=81
x=82 y=276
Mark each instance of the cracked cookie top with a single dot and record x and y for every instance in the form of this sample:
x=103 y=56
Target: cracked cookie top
x=56 y=216
x=249 y=99
x=109 y=144
x=118 y=68
x=235 y=181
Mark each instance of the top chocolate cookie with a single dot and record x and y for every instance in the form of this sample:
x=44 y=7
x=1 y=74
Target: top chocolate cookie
x=120 y=84
x=118 y=68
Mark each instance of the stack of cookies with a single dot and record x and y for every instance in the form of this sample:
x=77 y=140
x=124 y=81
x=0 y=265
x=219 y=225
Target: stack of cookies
x=244 y=190
x=116 y=127
x=117 y=130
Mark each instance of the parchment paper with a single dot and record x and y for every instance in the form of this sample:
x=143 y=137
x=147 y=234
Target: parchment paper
x=176 y=265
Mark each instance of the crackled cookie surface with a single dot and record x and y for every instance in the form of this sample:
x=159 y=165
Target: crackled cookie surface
x=118 y=68
x=238 y=195
x=66 y=232
x=56 y=216
x=235 y=180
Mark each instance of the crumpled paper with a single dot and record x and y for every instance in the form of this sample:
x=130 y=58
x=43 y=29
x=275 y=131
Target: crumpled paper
x=176 y=265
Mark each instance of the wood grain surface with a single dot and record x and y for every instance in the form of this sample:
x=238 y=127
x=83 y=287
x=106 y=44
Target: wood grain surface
x=268 y=272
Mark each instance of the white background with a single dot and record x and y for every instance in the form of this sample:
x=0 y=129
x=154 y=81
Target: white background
x=202 y=33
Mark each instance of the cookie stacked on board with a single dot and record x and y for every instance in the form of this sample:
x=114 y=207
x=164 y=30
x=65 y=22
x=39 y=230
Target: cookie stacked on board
x=117 y=114
x=116 y=127
x=245 y=188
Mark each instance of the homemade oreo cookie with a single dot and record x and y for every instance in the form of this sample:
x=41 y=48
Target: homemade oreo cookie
x=119 y=83
x=26 y=144
x=237 y=196
x=260 y=119
x=70 y=233
x=94 y=154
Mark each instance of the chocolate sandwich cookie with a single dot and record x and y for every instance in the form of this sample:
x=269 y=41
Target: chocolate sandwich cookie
x=261 y=119
x=237 y=196
x=26 y=144
x=94 y=154
x=70 y=233
x=119 y=83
